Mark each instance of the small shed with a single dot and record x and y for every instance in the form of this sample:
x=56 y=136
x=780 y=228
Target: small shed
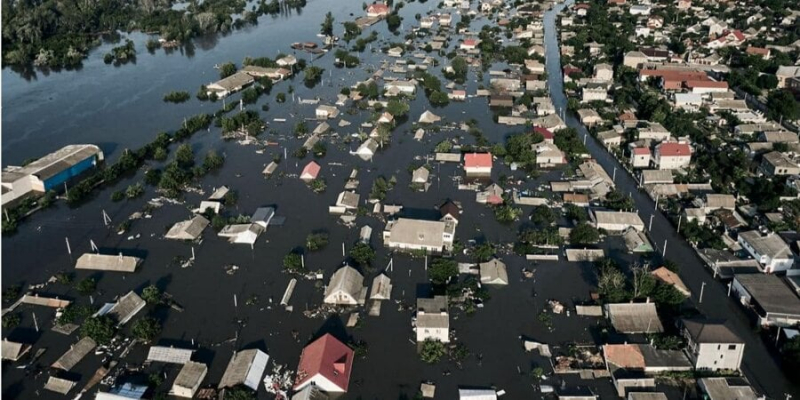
x=170 y=355
x=381 y=288
x=493 y=272
x=245 y=368
x=189 y=379
x=59 y=385
x=126 y=308
x=106 y=262
x=13 y=351
x=634 y=317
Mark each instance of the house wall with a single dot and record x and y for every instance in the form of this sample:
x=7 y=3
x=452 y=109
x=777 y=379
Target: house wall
x=478 y=170
x=716 y=356
x=322 y=382
x=440 y=334
x=641 y=161
x=340 y=297
x=673 y=162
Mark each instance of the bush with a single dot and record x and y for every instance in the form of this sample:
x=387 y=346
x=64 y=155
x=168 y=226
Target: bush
x=362 y=253
x=176 y=97
x=151 y=294
x=11 y=321
x=117 y=195
x=293 y=263
x=100 y=329
x=146 y=329
x=316 y=241
x=432 y=351
x=86 y=286
x=134 y=191
x=584 y=234
x=441 y=270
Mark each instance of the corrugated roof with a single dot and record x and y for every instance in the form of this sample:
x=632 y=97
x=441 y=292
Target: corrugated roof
x=75 y=354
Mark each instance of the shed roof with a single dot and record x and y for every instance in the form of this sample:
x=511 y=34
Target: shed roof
x=107 y=262
x=169 y=355
x=75 y=354
x=191 y=374
x=634 y=317
x=59 y=385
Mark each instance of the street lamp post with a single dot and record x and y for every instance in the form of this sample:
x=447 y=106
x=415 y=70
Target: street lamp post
x=702 y=289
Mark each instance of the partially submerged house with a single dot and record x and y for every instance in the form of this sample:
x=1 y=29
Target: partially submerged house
x=310 y=172
x=417 y=234
x=326 y=363
x=170 y=355
x=712 y=345
x=107 y=262
x=634 y=317
x=75 y=354
x=13 y=351
x=346 y=287
x=768 y=297
x=493 y=272
x=231 y=84
x=478 y=163
x=242 y=233
x=188 y=230
x=381 y=288
x=367 y=149
x=246 y=368
x=125 y=308
x=433 y=319
x=189 y=379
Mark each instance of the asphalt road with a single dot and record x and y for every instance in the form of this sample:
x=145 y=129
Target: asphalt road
x=759 y=365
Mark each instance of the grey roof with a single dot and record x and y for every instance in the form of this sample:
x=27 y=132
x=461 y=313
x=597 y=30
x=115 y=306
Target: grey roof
x=219 y=193
x=169 y=355
x=618 y=218
x=779 y=159
x=55 y=162
x=191 y=375
x=769 y=245
x=13 y=350
x=235 y=81
x=417 y=231
x=772 y=295
x=428 y=117
x=493 y=272
x=124 y=309
x=107 y=262
x=437 y=304
x=646 y=396
x=189 y=229
x=270 y=168
x=657 y=176
x=239 y=368
x=370 y=144
x=720 y=201
x=75 y=354
x=636 y=241
x=348 y=199
x=59 y=385
x=420 y=175
x=346 y=279
x=727 y=389
x=657 y=358
x=381 y=288
x=262 y=216
x=710 y=331
x=433 y=321
x=634 y=317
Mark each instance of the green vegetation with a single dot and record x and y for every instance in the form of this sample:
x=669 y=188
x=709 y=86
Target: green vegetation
x=327 y=25
x=11 y=321
x=507 y=213
x=86 y=286
x=349 y=60
x=318 y=185
x=151 y=294
x=432 y=351
x=121 y=54
x=100 y=329
x=146 y=329
x=240 y=392
x=312 y=75
x=213 y=161
x=529 y=239
x=518 y=149
x=781 y=104
x=444 y=146
x=584 y=234
x=483 y=252
x=134 y=191
x=542 y=215
x=362 y=254
x=380 y=187
x=177 y=97
x=441 y=270
x=615 y=200
x=293 y=263
x=316 y=241
x=459 y=70
x=11 y=293
x=567 y=140
x=351 y=31
x=226 y=70
x=397 y=108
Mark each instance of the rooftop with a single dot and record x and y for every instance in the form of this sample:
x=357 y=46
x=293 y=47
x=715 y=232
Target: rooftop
x=771 y=293
x=710 y=331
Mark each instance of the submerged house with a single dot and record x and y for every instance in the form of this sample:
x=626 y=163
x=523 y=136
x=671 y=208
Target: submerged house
x=416 y=234
x=326 y=363
x=246 y=368
x=188 y=230
x=346 y=287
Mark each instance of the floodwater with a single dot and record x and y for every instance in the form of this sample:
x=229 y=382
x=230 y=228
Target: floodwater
x=121 y=107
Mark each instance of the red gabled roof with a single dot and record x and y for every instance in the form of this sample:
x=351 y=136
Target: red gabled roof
x=326 y=356
x=544 y=132
x=478 y=160
x=674 y=149
x=640 y=151
x=312 y=169
x=378 y=8
x=584 y=6
x=470 y=42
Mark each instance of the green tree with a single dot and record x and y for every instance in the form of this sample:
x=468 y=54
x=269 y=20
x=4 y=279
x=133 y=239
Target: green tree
x=312 y=74
x=226 y=70
x=362 y=253
x=438 y=98
x=151 y=294
x=184 y=156
x=11 y=321
x=782 y=105
x=213 y=161
x=441 y=270
x=316 y=241
x=293 y=263
x=240 y=392
x=584 y=234
x=506 y=213
x=397 y=107
x=432 y=351
x=146 y=329
x=86 y=286
x=327 y=25
x=100 y=329
x=160 y=154
x=134 y=191
x=483 y=252
x=542 y=215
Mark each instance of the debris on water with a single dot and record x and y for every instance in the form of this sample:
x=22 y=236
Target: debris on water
x=556 y=306
x=231 y=269
x=528 y=274
x=279 y=382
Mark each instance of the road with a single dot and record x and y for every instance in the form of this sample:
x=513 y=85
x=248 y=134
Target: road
x=760 y=367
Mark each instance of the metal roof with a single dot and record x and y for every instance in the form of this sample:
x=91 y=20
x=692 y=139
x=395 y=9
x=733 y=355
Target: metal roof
x=107 y=262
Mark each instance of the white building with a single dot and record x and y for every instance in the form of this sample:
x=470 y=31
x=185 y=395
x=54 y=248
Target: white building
x=673 y=155
x=416 y=234
x=769 y=250
x=711 y=345
x=346 y=287
x=617 y=221
x=433 y=320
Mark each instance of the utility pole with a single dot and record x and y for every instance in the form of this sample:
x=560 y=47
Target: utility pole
x=664 y=252
x=650 y=225
x=702 y=289
x=69 y=250
x=680 y=219
x=614 y=176
x=655 y=206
